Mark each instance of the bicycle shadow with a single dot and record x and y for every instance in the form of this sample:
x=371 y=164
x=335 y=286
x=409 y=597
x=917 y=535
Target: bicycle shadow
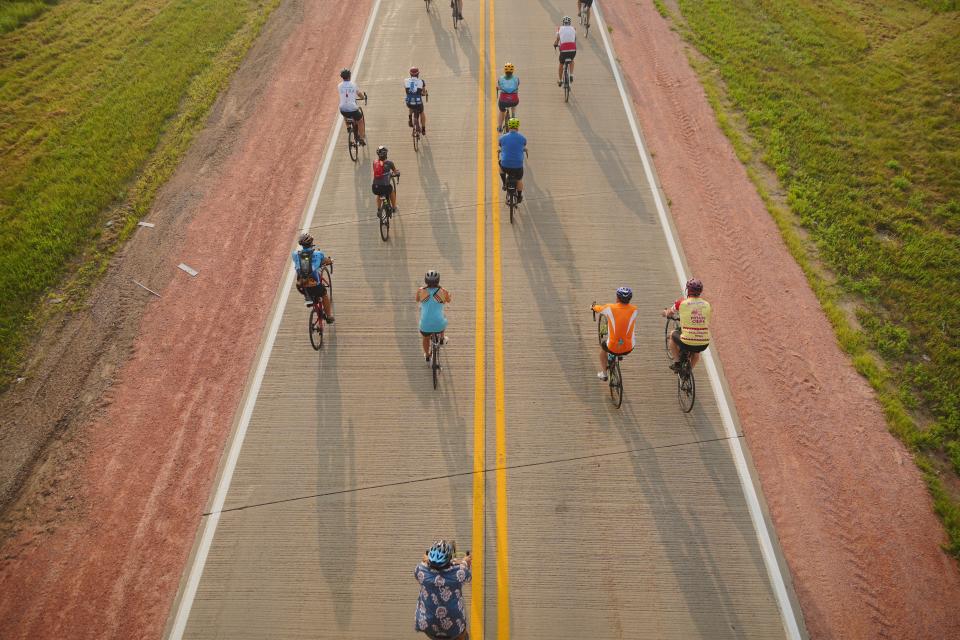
x=437 y=194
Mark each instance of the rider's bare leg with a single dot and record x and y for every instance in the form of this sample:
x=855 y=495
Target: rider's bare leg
x=603 y=359
x=327 y=307
x=674 y=350
x=393 y=198
x=694 y=359
x=426 y=346
x=362 y=126
x=423 y=122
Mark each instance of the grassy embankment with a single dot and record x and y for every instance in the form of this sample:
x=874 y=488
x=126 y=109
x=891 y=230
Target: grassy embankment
x=98 y=103
x=856 y=108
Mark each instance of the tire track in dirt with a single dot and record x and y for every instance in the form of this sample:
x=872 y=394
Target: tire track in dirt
x=846 y=518
x=111 y=568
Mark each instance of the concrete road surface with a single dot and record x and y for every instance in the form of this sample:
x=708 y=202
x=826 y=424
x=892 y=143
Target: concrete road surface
x=586 y=521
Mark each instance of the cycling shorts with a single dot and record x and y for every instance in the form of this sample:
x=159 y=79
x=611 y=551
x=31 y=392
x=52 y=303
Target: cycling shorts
x=607 y=349
x=383 y=189
x=503 y=106
x=427 y=334
x=689 y=348
x=586 y=3
x=567 y=55
x=415 y=108
x=316 y=292
x=514 y=172
x=353 y=115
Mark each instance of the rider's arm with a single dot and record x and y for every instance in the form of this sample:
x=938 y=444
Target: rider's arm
x=446 y=295
x=420 y=297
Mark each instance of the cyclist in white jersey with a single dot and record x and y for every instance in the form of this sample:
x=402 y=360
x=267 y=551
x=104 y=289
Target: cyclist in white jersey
x=416 y=90
x=566 y=41
x=349 y=109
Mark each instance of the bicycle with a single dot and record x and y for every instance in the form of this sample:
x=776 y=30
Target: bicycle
x=614 y=377
x=435 y=343
x=353 y=145
x=565 y=82
x=585 y=21
x=317 y=314
x=385 y=211
x=417 y=131
x=686 y=385
x=426 y=3
x=457 y=6
x=511 y=183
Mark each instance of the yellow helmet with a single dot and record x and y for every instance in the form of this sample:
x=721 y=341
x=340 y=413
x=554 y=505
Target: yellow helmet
x=508 y=68
x=513 y=123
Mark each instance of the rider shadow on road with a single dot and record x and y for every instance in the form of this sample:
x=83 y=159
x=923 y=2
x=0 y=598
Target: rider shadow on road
x=442 y=213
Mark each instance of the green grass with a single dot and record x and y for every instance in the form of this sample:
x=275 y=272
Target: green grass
x=856 y=108
x=98 y=102
x=15 y=13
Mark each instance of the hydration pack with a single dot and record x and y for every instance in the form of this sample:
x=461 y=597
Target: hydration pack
x=305 y=264
x=379 y=169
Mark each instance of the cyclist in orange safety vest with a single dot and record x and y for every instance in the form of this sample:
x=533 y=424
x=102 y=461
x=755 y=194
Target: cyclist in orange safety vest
x=621 y=321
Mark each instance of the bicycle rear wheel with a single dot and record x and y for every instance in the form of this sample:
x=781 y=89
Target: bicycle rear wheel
x=616 y=382
x=315 y=327
x=435 y=360
x=352 y=145
x=456 y=16
x=602 y=330
x=566 y=83
x=686 y=388
x=416 y=138
x=384 y=216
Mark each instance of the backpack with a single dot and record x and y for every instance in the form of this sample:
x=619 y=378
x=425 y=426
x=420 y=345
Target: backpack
x=379 y=169
x=305 y=264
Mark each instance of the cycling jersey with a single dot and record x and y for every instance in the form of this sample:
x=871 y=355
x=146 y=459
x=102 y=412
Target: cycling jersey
x=440 y=611
x=621 y=324
x=694 y=315
x=512 y=145
x=414 y=88
x=316 y=260
x=432 y=318
x=568 y=38
x=348 y=96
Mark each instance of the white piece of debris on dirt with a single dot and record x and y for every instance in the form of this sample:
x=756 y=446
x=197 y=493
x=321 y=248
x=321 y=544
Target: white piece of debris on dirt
x=190 y=270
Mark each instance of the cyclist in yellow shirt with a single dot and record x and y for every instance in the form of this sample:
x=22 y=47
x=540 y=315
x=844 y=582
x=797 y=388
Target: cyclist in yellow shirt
x=621 y=323
x=694 y=313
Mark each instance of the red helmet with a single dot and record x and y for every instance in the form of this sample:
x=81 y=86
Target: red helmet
x=414 y=72
x=694 y=287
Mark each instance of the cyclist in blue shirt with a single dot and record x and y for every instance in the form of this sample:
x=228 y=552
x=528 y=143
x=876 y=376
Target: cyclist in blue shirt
x=513 y=147
x=440 y=610
x=307 y=262
x=431 y=299
x=416 y=91
x=507 y=96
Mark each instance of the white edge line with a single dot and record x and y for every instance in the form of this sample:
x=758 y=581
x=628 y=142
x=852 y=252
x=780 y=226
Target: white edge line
x=210 y=527
x=749 y=490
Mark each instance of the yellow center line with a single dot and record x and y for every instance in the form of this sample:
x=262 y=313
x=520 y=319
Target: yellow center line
x=503 y=574
x=479 y=388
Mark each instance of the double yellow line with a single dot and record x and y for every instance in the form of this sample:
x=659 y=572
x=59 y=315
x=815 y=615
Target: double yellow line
x=486 y=31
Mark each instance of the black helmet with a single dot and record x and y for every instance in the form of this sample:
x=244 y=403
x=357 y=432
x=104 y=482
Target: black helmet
x=382 y=152
x=624 y=294
x=345 y=74
x=694 y=287
x=432 y=278
x=306 y=240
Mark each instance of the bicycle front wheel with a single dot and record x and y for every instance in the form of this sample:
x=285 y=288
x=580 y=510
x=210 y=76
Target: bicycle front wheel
x=603 y=331
x=315 y=327
x=668 y=338
x=616 y=383
x=686 y=389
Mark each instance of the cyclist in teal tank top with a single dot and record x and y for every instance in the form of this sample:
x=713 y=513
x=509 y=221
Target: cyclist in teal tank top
x=432 y=319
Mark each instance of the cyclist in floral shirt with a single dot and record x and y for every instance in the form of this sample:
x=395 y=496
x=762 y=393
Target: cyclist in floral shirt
x=440 y=610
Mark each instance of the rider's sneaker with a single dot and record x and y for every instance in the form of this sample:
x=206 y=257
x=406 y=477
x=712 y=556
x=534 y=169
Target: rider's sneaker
x=675 y=367
x=426 y=357
x=602 y=375
x=423 y=131
x=362 y=142
x=329 y=319
x=308 y=303
x=571 y=77
x=519 y=197
x=410 y=121
x=559 y=83
x=499 y=129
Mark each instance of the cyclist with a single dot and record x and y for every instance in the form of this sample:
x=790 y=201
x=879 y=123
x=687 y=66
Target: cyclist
x=383 y=169
x=621 y=326
x=307 y=262
x=694 y=313
x=566 y=41
x=513 y=147
x=431 y=299
x=459 y=7
x=583 y=4
x=507 y=96
x=349 y=109
x=416 y=91
x=440 y=610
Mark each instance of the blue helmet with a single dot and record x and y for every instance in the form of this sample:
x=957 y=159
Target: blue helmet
x=440 y=554
x=624 y=294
